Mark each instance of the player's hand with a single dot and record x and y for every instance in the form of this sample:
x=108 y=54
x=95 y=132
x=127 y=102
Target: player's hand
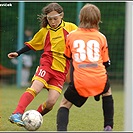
x=12 y=55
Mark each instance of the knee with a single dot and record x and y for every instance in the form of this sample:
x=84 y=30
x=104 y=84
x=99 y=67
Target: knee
x=108 y=93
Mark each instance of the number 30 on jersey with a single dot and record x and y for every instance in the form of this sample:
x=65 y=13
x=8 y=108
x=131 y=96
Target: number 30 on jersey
x=89 y=50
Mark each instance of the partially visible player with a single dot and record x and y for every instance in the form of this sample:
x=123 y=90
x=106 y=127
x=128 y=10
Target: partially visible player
x=51 y=73
x=88 y=50
x=27 y=59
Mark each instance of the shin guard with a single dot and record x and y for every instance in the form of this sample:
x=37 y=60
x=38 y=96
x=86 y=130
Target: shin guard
x=62 y=119
x=108 y=110
x=25 y=100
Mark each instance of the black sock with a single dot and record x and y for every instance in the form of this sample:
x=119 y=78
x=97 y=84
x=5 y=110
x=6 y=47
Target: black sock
x=45 y=111
x=62 y=119
x=108 y=110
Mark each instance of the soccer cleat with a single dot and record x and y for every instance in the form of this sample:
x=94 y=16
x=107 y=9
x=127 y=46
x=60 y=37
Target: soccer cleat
x=108 y=128
x=16 y=119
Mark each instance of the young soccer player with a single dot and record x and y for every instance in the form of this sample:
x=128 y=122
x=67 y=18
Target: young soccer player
x=88 y=50
x=51 y=73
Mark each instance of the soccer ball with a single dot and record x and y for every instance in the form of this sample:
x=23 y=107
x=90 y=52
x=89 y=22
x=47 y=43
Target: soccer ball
x=32 y=120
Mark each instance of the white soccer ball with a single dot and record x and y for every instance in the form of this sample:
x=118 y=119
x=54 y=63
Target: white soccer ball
x=32 y=120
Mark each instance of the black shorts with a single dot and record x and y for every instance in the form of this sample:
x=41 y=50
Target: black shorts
x=72 y=95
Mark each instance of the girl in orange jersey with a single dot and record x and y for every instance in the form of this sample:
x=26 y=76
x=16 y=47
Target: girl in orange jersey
x=88 y=49
x=51 y=73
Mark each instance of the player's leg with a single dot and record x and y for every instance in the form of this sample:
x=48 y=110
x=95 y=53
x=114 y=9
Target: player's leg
x=24 y=101
x=27 y=64
x=55 y=86
x=108 y=108
x=71 y=97
x=47 y=106
x=25 y=77
x=63 y=115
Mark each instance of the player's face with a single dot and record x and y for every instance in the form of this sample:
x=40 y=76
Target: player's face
x=54 y=19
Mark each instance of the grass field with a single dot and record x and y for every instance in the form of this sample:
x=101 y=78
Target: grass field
x=87 y=118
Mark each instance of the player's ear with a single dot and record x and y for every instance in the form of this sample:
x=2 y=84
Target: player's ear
x=62 y=14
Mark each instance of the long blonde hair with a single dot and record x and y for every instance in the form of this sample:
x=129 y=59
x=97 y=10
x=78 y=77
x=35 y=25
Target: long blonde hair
x=90 y=17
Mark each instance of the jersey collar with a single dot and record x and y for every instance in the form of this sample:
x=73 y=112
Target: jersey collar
x=55 y=29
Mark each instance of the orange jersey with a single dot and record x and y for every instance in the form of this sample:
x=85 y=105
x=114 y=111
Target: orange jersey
x=88 y=50
x=53 y=42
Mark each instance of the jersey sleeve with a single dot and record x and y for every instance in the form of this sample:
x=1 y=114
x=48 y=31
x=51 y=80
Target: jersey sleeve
x=105 y=53
x=37 y=43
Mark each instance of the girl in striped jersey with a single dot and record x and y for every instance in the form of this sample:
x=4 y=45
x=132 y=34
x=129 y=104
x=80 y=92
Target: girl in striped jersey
x=51 y=73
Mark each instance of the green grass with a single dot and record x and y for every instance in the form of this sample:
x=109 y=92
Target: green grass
x=87 y=118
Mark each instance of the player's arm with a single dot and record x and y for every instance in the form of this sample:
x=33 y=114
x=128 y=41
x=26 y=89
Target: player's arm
x=67 y=51
x=67 y=57
x=105 y=54
x=19 y=52
x=23 y=50
x=107 y=64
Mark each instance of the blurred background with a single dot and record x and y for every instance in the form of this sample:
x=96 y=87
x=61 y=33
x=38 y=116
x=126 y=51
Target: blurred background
x=113 y=26
x=18 y=23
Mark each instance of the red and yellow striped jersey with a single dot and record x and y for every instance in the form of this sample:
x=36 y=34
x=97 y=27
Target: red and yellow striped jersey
x=88 y=49
x=53 y=42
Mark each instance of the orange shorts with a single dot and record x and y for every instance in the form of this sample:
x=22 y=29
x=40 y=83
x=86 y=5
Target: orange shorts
x=51 y=79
